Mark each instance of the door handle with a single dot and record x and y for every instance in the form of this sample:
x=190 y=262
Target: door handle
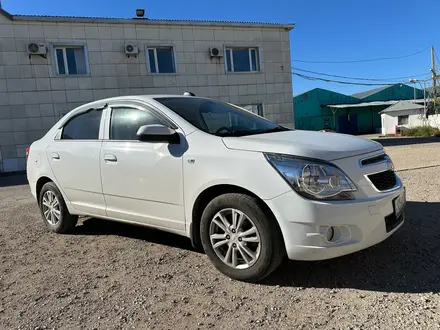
x=110 y=158
x=55 y=156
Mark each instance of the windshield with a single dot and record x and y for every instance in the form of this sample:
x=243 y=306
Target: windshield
x=219 y=118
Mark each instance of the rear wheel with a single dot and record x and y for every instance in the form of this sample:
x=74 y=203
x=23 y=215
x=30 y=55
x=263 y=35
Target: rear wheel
x=54 y=210
x=239 y=238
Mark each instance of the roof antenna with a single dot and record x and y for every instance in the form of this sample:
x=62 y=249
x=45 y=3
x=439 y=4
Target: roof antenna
x=185 y=92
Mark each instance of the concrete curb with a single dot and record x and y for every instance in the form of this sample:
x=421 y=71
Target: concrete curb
x=417 y=168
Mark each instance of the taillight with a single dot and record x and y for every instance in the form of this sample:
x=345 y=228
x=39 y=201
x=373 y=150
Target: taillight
x=28 y=149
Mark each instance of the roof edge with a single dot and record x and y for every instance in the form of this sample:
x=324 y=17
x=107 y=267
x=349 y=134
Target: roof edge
x=77 y=19
x=5 y=13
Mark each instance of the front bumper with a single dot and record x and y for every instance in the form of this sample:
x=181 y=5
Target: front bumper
x=361 y=224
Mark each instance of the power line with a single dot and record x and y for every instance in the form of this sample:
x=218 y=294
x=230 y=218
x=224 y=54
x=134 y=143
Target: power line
x=367 y=60
x=357 y=78
x=341 y=82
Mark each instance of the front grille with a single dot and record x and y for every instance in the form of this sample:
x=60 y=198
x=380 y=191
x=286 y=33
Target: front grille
x=383 y=180
x=392 y=221
x=373 y=160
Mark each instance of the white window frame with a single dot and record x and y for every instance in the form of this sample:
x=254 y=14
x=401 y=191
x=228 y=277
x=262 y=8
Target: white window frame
x=154 y=47
x=230 y=48
x=63 y=46
x=261 y=105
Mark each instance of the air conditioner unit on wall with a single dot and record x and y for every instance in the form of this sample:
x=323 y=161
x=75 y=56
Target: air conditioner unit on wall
x=131 y=50
x=37 y=48
x=215 y=52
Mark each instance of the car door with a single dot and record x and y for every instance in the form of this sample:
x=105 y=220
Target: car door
x=74 y=157
x=142 y=181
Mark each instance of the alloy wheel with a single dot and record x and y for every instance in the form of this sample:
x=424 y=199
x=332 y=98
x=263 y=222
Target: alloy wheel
x=235 y=238
x=51 y=208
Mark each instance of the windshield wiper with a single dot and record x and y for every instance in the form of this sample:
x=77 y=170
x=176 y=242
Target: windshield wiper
x=276 y=129
x=242 y=132
x=272 y=130
x=238 y=132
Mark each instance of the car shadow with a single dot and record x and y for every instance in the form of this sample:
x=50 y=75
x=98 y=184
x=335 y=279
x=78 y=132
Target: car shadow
x=406 y=262
x=93 y=226
x=389 y=142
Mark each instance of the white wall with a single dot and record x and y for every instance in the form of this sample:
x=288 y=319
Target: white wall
x=388 y=124
x=434 y=121
x=390 y=120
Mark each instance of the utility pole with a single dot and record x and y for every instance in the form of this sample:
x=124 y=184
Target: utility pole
x=434 y=78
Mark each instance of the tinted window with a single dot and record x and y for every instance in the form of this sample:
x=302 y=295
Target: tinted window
x=241 y=60
x=83 y=127
x=125 y=123
x=219 y=118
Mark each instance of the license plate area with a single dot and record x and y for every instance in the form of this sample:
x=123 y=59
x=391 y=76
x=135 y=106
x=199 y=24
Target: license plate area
x=399 y=204
x=395 y=218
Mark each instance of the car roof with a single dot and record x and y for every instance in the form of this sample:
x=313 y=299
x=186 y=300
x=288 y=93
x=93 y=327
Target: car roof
x=141 y=97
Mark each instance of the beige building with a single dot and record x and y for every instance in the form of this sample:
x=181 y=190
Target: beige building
x=50 y=65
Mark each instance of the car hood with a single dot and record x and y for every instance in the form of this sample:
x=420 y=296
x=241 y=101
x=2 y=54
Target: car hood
x=319 y=145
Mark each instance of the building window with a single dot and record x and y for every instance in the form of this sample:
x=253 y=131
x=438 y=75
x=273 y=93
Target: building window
x=70 y=60
x=255 y=108
x=242 y=59
x=402 y=120
x=161 y=59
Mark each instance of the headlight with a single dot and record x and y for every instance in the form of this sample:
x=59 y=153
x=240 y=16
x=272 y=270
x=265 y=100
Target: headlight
x=313 y=179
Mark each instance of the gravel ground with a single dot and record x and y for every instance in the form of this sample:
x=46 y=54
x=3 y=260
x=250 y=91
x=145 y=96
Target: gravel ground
x=415 y=155
x=115 y=276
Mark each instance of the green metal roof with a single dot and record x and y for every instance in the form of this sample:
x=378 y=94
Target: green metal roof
x=365 y=94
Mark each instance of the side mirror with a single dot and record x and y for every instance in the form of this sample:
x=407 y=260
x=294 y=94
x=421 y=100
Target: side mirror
x=157 y=133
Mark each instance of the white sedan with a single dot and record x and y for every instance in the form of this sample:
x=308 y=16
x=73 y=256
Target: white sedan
x=248 y=191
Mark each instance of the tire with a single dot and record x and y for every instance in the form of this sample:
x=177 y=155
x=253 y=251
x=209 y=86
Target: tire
x=268 y=255
x=65 y=222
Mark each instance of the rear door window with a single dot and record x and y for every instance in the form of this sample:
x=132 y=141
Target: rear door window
x=84 y=126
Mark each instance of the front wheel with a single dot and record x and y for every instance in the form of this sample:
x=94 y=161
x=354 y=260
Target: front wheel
x=241 y=240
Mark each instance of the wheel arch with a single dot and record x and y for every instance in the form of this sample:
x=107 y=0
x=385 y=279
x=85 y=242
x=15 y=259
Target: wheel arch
x=39 y=185
x=209 y=194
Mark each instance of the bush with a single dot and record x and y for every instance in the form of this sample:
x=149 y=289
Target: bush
x=422 y=131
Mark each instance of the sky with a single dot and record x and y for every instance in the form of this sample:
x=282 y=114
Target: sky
x=325 y=30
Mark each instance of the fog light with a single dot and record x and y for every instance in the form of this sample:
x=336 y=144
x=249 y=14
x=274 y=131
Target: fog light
x=329 y=234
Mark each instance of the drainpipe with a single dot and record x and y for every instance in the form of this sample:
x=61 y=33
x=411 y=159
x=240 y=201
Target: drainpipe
x=334 y=117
